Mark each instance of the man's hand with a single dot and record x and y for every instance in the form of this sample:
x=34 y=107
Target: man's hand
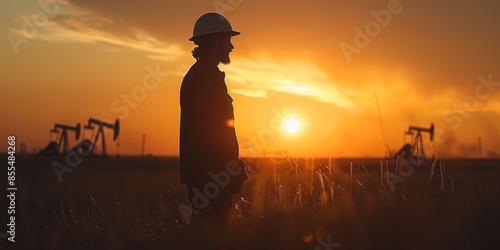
x=237 y=181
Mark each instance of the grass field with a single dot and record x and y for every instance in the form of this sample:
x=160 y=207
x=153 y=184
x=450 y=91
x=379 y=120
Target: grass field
x=132 y=203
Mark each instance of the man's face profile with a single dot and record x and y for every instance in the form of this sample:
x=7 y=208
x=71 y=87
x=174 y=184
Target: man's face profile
x=225 y=47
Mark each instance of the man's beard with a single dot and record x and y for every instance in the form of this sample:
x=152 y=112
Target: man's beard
x=224 y=58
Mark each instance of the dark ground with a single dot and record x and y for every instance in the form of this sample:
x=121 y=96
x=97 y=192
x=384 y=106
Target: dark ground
x=132 y=203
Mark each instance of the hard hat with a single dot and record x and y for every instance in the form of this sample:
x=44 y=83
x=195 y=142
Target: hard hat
x=210 y=23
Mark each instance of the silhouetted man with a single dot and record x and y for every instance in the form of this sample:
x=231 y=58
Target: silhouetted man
x=209 y=152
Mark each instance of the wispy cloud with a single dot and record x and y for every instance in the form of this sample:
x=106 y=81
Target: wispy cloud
x=94 y=30
x=256 y=93
x=257 y=77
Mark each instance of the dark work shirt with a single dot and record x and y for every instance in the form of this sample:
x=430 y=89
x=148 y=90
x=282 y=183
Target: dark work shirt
x=207 y=137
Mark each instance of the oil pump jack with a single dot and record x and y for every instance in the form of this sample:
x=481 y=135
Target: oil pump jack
x=54 y=148
x=100 y=133
x=417 y=147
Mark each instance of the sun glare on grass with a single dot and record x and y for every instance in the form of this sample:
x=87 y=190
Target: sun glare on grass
x=292 y=124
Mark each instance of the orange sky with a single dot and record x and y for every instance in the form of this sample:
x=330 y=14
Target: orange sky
x=66 y=61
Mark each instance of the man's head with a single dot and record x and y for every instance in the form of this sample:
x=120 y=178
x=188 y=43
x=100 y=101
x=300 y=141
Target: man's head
x=215 y=47
x=212 y=33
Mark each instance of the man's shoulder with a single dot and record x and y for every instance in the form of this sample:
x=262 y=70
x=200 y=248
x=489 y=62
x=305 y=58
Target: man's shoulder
x=194 y=82
x=192 y=71
x=204 y=70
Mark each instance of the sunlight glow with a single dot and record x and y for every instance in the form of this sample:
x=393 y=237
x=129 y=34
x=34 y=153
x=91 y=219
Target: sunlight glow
x=290 y=77
x=292 y=125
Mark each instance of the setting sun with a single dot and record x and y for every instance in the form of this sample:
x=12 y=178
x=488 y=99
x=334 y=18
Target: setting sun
x=292 y=124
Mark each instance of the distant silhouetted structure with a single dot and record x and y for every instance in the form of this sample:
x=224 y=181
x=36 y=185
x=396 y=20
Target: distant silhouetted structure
x=143 y=144
x=83 y=148
x=416 y=148
x=100 y=133
x=209 y=151
x=479 y=148
x=24 y=150
x=54 y=148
